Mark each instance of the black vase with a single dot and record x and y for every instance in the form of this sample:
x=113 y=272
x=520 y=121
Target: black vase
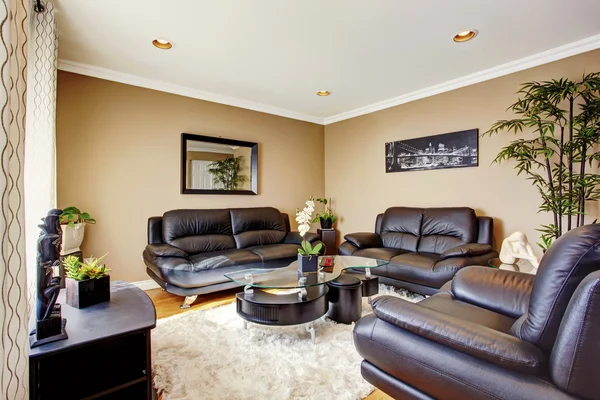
x=326 y=223
x=308 y=263
x=81 y=294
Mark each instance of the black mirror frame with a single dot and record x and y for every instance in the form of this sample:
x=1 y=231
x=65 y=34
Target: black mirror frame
x=253 y=164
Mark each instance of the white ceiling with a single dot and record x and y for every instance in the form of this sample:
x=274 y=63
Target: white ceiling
x=274 y=55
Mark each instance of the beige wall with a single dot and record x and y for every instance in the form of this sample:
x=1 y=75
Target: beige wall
x=355 y=164
x=118 y=149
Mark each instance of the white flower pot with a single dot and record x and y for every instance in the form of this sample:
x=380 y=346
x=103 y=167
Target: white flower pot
x=72 y=237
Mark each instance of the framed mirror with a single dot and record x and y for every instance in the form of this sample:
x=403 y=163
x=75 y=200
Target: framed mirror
x=211 y=165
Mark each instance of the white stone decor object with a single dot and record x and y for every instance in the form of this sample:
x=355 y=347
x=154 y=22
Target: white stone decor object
x=516 y=247
x=72 y=238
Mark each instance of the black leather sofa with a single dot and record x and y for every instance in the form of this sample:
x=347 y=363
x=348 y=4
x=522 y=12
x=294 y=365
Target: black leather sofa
x=425 y=246
x=494 y=334
x=188 y=251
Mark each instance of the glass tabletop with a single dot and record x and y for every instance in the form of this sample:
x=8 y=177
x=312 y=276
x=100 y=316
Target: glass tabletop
x=289 y=277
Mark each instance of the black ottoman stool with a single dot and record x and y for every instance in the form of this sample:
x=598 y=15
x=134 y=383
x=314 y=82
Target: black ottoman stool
x=345 y=299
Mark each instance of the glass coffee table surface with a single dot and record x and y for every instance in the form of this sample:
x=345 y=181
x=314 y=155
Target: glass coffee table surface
x=289 y=277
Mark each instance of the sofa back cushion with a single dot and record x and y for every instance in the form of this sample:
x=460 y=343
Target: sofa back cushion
x=445 y=228
x=198 y=231
x=257 y=226
x=401 y=227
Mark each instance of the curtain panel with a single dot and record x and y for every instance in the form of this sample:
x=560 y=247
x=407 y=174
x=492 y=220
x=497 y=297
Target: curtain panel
x=40 y=141
x=14 y=345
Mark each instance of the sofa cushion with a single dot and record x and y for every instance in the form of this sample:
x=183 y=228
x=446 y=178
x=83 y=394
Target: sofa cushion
x=401 y=228
x=257 y=226
x=198 y=231
x=445 y=228
x=275 y=251
x=380 y=253
x=218 y=259
x=416 y=268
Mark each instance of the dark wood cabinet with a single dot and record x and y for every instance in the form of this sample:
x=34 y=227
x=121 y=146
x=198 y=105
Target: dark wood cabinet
x=107 y=354
x=329 y=238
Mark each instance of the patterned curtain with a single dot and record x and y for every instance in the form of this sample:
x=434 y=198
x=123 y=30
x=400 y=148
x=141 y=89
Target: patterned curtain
x=13 y=304
x=40 y=144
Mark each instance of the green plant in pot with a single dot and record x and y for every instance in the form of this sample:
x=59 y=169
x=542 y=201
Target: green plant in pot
x=87 y=282
x=73 y=222
x=308 y=256
x=327 y=218
x=226 y=173
x=561 y=157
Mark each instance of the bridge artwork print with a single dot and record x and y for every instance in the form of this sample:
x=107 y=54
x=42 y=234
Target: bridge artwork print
x=449 y=150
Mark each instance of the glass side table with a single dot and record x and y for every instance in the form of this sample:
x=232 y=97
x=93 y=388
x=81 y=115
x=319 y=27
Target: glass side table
x=520 y=266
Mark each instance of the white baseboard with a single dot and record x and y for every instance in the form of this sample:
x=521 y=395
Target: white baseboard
x=146 y=285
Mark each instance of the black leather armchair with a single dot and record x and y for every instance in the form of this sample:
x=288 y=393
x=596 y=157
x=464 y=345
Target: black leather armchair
x=494 y=334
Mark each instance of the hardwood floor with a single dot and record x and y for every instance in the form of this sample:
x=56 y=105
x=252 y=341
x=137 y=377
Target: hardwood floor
x=167 y=305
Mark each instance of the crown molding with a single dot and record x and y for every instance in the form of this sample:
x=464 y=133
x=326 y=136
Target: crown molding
x=568 y=50
x=557 y=53
x=111 y=75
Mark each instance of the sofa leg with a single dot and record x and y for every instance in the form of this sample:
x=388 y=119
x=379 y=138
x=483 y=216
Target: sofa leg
x=188 y=301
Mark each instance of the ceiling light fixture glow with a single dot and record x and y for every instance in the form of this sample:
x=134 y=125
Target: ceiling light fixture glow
x=465 y=35
x=162 y=44
x=323 y=93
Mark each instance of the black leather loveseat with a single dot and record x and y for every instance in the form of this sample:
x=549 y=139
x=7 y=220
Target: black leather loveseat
x=188 y=251
x=425 y=246
x=494 y=334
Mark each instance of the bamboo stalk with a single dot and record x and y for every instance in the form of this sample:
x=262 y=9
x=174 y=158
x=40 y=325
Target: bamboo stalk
x=550 y=180
x=571 y=100
x=560 y=179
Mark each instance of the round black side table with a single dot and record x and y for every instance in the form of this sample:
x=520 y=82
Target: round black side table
x=345 y=299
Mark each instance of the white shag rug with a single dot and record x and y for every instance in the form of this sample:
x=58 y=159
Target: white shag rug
x=207 y=354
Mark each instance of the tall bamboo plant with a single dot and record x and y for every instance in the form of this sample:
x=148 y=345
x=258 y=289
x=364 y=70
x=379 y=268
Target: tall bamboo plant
x=565 y=117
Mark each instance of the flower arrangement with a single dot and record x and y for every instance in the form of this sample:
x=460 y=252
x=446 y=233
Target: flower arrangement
x=304 y=219
x=90 y=269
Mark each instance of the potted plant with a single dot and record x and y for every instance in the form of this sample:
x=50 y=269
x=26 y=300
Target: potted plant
x=562 y=158
x=226 y=173
x=87 y=282
x=308 y=256
x=73 y=222
x=326 y=218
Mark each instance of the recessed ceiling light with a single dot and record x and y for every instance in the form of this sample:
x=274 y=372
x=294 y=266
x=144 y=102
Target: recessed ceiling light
x=323 y=93
x=465 y=35
x=162 y=44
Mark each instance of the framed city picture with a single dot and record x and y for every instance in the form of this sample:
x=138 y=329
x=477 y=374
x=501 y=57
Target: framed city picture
x=449 y=150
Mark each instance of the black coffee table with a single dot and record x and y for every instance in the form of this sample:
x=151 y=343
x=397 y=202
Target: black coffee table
x=284 y=296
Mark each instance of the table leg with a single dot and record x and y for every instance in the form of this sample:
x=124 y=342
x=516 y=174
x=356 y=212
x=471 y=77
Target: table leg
x=245 y=324
x=368 y=273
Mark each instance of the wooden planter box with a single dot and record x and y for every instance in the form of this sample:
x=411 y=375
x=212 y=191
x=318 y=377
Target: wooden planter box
x=81 y=294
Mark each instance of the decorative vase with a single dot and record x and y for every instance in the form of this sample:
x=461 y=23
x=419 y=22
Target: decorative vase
x=81 y=294
x=72 y=237
x=326 y=223
x=307 y=263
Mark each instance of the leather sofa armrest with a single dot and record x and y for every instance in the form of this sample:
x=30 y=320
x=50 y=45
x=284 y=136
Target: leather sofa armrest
x=166 y=250
x=467 y=250
x=295 y=238
x=364 y=240
x=347 y=249
x=505 y=292
x=466 y=337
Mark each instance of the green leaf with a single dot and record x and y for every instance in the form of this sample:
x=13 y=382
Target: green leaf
x=301 y=252
x=308 y=248
x=317 y=248
x=333 y=219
